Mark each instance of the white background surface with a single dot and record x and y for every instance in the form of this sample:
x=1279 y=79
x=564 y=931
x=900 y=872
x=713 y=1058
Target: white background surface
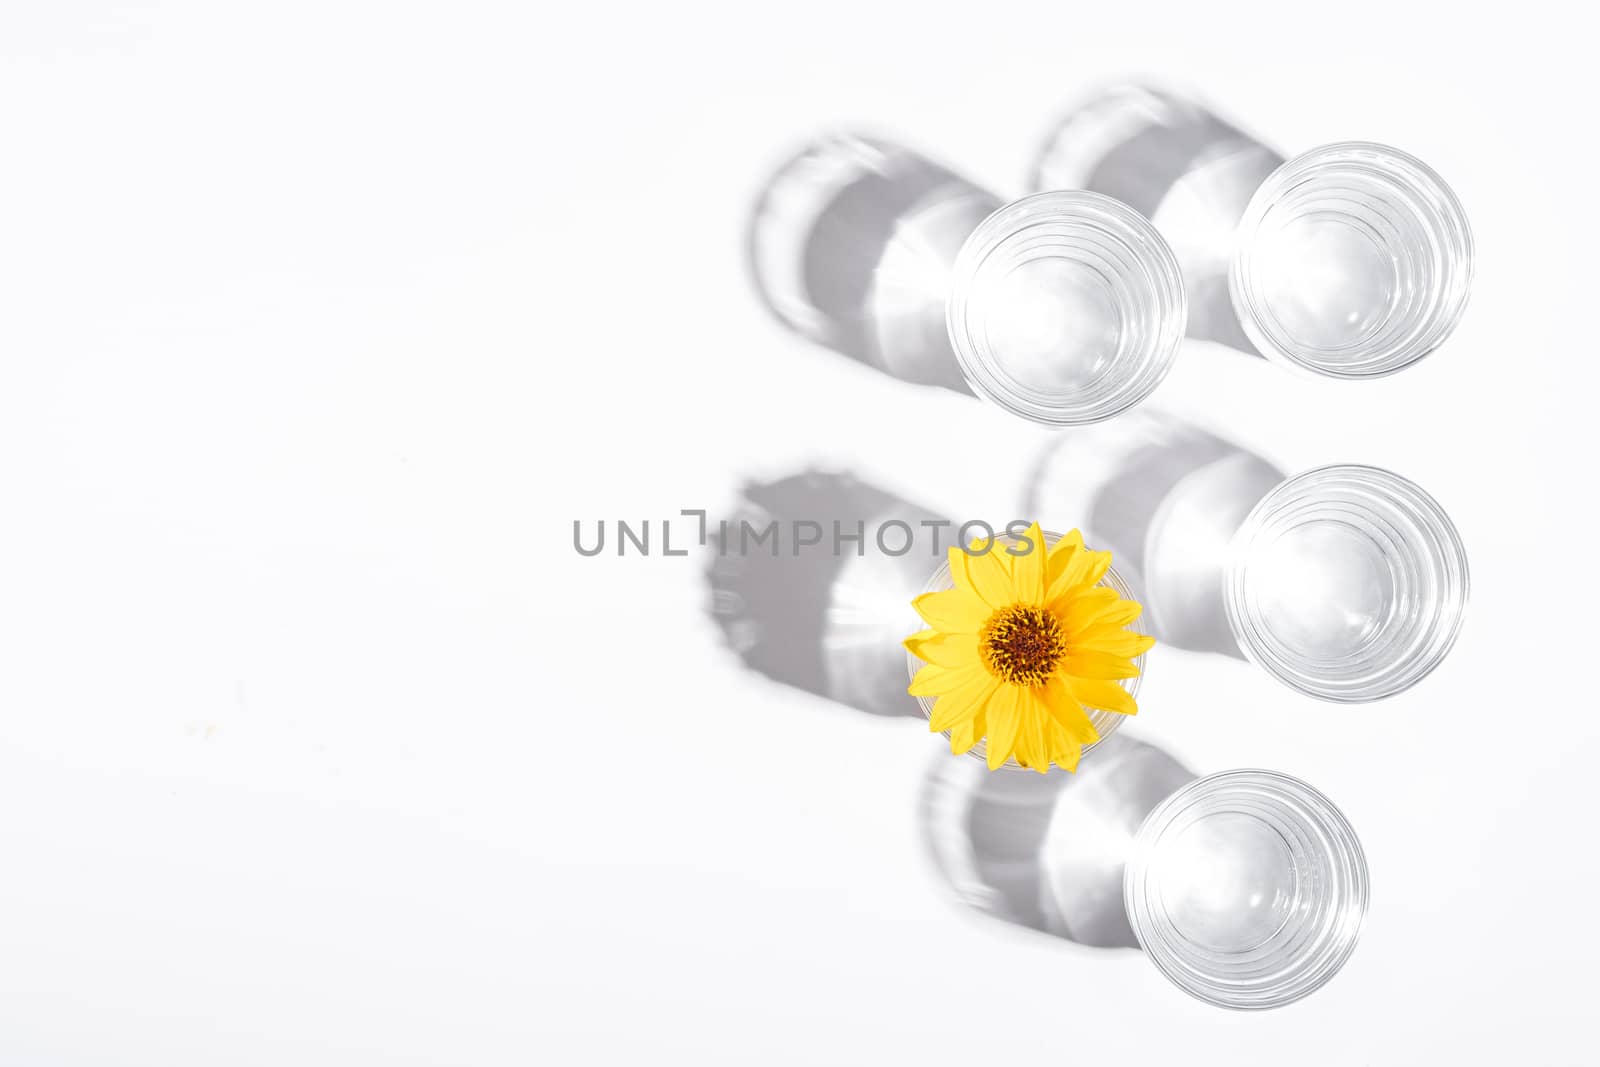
x=321 y=322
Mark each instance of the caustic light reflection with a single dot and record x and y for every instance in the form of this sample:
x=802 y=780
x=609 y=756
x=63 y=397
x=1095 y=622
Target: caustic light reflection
x=822 y=617
x=851 y=245
x=1047 y=851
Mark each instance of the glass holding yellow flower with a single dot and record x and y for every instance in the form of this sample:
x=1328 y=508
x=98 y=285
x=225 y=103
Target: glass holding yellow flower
x=1032 y=655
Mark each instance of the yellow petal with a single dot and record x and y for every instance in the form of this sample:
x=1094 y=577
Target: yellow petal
x=1034 y=736
x=1064 y=750
x=1066 y=712
x=953 y=611
x=1095 y=566
x=1108 y=696
x=1061 y=554
x=966 y=734
x=960 y=704
x=934 y=680
x=1004 y=721
x=958 y=568
x=945 y=650
x=1116 y=613
x=990 y=575
x=1080 y=610
x=1081 y=570
x=1081 y=662
x=1028 y=569
x=1022 y=748
x=1114 y=641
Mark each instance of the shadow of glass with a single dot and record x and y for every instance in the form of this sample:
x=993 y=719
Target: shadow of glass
x=828 y=617
x=1186 y=170
x=851 y=244
x=1165 y=497
x=1047 y=851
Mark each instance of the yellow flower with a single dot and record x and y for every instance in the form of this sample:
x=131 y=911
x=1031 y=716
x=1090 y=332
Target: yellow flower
x=1021 y=645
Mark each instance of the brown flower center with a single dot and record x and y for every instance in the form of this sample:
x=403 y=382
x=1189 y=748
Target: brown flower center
x=1022 y=645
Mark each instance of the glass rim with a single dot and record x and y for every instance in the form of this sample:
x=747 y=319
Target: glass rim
x=1452 y=231
x=1341 y=850
x=1127 y=229
x=1447 y=553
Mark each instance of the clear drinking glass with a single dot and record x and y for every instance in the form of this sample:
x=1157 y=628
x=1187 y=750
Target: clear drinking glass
x=1348 y=583
x=1105 y=722
x=1247 y=889
x=1065 y=308
x=1353 y=260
